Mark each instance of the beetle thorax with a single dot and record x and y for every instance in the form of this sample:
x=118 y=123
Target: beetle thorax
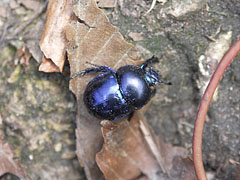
x=134 y=86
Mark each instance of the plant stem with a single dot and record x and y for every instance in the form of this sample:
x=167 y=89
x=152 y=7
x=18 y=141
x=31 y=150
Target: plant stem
x=203 y=108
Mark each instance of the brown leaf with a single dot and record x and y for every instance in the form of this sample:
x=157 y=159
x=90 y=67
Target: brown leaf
x=24 y=55
x=172 y=159
x=131 y=149
x=53 y=42
x=7 y=162
x=183 y=169
x=125 y=154
x=48 y=66
x=92 y=38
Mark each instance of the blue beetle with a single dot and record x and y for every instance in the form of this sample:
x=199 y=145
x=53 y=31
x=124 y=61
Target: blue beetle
x=114 y=95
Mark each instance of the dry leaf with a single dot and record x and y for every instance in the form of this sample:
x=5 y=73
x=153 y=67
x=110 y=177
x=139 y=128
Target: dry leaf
x=172 y=159
x=8 y=163
x=128 y=153
x=92 y=38
x=183 y=169
x=24 y=55
x=53 y=42
x=48 y=66
x=125 y=154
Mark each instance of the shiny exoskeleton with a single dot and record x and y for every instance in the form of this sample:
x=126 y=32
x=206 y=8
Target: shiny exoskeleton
x=114 y=95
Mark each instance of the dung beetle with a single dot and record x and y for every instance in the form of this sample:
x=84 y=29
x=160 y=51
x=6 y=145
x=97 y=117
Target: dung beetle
x=114 y=95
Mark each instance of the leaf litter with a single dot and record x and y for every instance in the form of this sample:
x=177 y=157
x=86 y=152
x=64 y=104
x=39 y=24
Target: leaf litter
x=122 y=149
x=8 y=161
x=131 y=149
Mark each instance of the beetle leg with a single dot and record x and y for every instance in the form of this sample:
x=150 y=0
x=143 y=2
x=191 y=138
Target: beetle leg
x=130 y=116
x=153 y=92
x=93 y=70
x=152 y=60
x=108 y=69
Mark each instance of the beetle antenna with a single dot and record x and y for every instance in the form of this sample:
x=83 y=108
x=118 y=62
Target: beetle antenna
x=167 y=83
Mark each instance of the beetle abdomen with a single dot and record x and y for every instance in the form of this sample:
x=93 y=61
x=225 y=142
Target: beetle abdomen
x=104 y=99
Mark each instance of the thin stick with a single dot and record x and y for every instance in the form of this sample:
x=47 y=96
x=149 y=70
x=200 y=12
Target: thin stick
x=200 y=119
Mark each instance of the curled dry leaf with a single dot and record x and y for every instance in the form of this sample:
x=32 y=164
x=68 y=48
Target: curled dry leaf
x=47 y=65
x=92 y=38
x=8 y=163
x=131 y=149
x=53 y=41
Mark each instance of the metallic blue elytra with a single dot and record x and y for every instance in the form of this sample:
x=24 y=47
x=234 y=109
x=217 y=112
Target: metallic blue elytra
x=114 y=95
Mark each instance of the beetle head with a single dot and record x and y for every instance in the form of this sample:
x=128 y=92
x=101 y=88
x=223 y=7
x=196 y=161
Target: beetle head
x=153 y=77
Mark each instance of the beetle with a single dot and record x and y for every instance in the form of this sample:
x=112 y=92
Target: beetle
x=113 y=94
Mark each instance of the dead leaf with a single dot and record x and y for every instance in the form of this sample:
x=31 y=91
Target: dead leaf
x=183 y=169
x=24 y=55
x=8 y=163
x=92 y=38
x=53 y=42
x=127 y=153
x=48 y=66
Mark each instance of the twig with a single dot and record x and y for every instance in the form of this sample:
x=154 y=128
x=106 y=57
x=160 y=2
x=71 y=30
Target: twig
x=202 y=111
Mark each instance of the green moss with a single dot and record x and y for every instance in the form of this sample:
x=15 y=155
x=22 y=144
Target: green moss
x=15 y=75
